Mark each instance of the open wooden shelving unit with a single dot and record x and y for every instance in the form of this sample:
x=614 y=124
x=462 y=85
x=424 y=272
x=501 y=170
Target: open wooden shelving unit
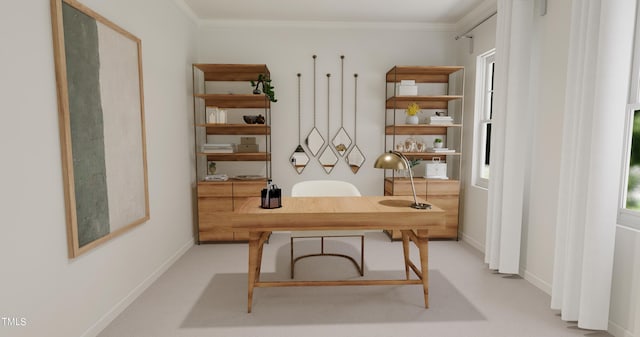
x=443 y=193
x=236 y=129
x=420 y=129
x=247 y=156
x=235 y=101
x=425 y=102
x=218 y=199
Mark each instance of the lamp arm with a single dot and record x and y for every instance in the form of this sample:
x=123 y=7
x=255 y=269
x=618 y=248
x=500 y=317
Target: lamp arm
x=413 y=187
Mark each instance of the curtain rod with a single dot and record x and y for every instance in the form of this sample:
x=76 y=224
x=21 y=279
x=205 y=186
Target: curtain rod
x=476 y=26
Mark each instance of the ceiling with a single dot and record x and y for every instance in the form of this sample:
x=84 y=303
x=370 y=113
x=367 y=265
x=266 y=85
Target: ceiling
x=367 y=11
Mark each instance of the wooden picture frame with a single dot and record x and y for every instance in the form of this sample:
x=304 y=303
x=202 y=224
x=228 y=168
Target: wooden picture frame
x=102 y=130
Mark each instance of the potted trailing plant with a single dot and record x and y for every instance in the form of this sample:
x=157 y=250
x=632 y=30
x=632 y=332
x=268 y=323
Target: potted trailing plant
x=437 y=143
x=413 y=162
x=267 y=88
x=412 y=113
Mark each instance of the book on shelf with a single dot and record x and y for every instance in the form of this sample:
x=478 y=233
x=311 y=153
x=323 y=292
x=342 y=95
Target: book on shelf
x=440 y=120
x=217 y=151
x=217 y=148
x=216 y=177
x=216 y=145
x=440 y=150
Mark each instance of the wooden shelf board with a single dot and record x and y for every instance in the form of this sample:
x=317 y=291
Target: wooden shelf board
x=420 y=129
x=429 y=155
x=422 y=74
x=237 y=156
x=232 y=180
x=415 y=179
x=235 y=101
x=237 y=129
x=425 y=102
x=232 y=72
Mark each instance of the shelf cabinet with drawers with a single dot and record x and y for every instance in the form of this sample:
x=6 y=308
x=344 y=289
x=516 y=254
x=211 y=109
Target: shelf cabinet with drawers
x=443 y=193
x=227 y=87
x=216 y=203
x=438 y=90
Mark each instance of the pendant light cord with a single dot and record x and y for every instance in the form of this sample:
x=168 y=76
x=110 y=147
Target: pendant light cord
x=355 y=110
x=314 y=90
x=328 y=103
x=299 y=110
x=342 y=91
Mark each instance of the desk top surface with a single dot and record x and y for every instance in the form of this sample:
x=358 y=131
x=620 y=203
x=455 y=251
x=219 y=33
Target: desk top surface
x=326 y=213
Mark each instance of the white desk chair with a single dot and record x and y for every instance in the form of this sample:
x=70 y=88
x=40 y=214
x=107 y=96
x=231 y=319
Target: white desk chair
x=326 y=188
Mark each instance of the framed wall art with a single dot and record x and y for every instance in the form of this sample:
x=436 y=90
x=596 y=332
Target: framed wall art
x=102 y=130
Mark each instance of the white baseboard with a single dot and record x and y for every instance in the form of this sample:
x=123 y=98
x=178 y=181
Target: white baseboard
x=614 y=329
x=537 y=282
x=473 y=243
x=619 y=331
x=107 y=318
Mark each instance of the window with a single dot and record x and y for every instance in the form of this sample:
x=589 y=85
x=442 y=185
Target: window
x=632 y=193
x=485 y=67
x=629 y=211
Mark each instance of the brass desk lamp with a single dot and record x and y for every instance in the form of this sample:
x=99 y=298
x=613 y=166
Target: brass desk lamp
x=394 y=160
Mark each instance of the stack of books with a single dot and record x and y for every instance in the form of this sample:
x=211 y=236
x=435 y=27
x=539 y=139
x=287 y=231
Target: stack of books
x=440 y=120
x=407 y=88
x=217 y=148
x=216 y=177
x=440 y=150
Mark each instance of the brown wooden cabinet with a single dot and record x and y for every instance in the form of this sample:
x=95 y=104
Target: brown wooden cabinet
x=436 y=92
x=443 y=193
x=216 y=203
x=220 y=86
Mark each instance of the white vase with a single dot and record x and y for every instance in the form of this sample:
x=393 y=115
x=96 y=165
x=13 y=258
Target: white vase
x=437 y=145
x=412 y=119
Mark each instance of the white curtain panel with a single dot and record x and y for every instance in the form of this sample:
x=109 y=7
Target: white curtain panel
x=636 y=326
x=597 y=85
x=510 y=141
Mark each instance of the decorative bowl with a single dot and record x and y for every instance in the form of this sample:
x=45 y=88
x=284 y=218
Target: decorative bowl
x=250 y=119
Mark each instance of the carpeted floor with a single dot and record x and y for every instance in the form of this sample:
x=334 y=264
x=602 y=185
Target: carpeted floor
x=205 y=294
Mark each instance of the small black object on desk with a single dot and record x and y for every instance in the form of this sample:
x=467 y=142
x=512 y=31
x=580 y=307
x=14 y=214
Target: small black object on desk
x=271 y=197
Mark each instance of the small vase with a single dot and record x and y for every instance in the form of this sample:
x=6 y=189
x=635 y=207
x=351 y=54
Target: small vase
x=211 y=168
x=412 y=119
x=437 y=145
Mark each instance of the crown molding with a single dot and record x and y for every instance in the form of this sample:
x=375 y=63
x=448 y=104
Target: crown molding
x=482 y=11
x=188 y=11
x=435 y=27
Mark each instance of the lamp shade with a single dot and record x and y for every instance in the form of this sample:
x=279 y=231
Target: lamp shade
x=391 y=161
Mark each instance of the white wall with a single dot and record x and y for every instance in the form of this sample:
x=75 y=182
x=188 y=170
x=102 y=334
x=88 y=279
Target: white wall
x=624 y=315
x=551 y=40
x=288 y=49
x=548 y=69
x=475 y=198
x=57 y=296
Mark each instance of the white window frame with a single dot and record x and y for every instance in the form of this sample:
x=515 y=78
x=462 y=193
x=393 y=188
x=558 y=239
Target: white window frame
x=630 y=218
x=626 y=216
x=481 y=114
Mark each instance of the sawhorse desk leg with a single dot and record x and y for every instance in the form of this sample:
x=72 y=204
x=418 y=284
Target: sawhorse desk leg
x=421 y=240
x=256 y=242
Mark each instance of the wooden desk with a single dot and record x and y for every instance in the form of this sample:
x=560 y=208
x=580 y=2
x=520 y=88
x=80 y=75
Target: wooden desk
x=339 y=213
